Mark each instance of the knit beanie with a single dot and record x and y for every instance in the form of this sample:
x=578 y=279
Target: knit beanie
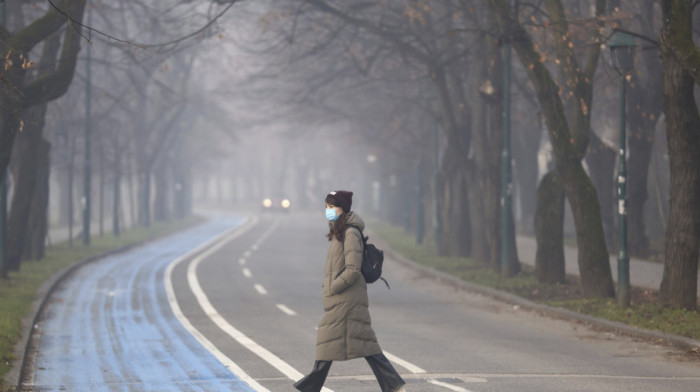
x=342 y=199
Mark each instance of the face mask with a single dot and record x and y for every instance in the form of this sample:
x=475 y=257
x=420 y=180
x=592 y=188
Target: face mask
x=330 y=214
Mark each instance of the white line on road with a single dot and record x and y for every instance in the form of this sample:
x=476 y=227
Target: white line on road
x=247 y=273
x=404 y=364
x=206 y=343
x=246 y=254
x=286 y=310
x=417 y=370
x=229 y=329
x=448 y=386
x=241 y=261
x=260 y=289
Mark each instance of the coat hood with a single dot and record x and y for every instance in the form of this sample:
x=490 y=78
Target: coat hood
x=355 y=220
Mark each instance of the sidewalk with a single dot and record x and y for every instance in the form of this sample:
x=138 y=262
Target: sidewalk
x=645 y=274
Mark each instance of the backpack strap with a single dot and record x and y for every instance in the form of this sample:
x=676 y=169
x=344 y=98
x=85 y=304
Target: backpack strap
x=362 y=235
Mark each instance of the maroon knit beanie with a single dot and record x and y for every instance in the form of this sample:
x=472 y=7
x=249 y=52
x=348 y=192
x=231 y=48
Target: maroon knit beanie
x=342 y=199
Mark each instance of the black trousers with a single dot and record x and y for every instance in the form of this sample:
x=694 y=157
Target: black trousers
x=387 y=376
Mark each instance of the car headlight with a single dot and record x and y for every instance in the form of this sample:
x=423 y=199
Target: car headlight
x=267 y=203
x=285 y=203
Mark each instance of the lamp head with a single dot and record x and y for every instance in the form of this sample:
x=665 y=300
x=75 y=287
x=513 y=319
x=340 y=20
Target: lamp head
x=622 y=48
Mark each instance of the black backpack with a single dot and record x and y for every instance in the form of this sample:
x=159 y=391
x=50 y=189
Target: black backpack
x=372 y=260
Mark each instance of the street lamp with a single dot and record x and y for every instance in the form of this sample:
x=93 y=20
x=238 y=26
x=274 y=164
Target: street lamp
x=622 y=48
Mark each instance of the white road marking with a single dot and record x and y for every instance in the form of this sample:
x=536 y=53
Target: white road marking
x=247 y=273
x=241 y=261
x=417 y=370
x=229 y=329
x=172 y=300
x=448 y=386
x=254 y=247
x=246 y=254
x=404 y=364
x=286 y=310
x=260 y=289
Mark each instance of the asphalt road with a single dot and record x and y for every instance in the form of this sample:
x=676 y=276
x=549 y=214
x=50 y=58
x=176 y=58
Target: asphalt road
x=240 y=314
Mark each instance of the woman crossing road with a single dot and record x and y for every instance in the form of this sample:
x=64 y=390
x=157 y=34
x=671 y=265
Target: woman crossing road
x=345 y=331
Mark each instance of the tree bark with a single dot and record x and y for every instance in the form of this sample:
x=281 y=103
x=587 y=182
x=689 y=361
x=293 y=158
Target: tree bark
x=160 y=202
x=601 y=166
x=594 y=266
x=454 y=208
x=14 y=95
x=550 y=266
x=679 y=284
x=37 y=229
x=526 y=144
x=25 y=165
x=645 y=106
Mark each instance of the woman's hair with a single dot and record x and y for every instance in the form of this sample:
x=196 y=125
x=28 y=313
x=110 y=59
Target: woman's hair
x=338 y=228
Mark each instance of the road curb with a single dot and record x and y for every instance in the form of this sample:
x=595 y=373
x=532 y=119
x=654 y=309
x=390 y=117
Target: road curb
x=560 y=313
x=26 y=346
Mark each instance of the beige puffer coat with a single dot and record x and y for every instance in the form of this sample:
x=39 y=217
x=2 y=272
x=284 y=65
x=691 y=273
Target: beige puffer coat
x=345 y=331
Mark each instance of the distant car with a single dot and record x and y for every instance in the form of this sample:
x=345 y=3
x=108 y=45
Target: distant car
x=278 y=204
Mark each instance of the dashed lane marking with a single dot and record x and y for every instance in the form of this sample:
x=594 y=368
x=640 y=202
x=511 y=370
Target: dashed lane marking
x=286 y=310
x=247 y=273
x=260 y=289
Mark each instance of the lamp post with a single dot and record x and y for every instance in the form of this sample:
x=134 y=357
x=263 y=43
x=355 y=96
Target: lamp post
x=622 y=47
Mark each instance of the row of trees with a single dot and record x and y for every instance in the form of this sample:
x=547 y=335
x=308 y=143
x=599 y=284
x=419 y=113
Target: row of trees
x=402 y=99
x=413 y=67
x=122 y=71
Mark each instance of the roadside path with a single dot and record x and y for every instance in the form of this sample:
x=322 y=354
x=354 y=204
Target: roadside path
x=645 y=274
x=108 y=326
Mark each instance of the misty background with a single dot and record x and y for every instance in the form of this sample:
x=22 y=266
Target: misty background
x=175 y=106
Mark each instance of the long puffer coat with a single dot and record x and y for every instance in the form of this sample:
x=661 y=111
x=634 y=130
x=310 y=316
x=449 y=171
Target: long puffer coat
x=345 y=331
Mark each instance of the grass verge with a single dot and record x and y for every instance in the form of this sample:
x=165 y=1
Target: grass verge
x=19 y=291
x=643 y=312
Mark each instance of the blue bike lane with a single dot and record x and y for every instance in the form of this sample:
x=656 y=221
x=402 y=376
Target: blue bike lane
x=109 y=326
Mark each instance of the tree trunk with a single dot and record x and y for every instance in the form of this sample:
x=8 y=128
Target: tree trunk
x=24 y=155
x=679 y=284
x=160 y=202
x=101 y=187
x=643 y=110
x=645 y=106
x=15 y=96
x=549 y=231
x=640 y=145
x=117 y=192
x=454 y=213
x=144 y=199
x=601 y=166
x=71 y=174
x=63 y=194
x=526 y=144
x=35 y=243
x=485 y=211
x=594 y=265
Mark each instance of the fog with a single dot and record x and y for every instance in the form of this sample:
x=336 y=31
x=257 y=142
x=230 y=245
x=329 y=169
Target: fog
x=175 y=107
